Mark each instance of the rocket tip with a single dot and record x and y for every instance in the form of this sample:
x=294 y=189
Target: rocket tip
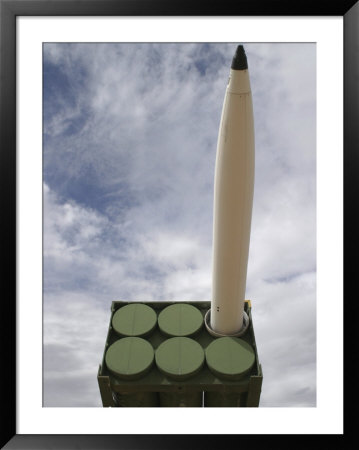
x=239 y=61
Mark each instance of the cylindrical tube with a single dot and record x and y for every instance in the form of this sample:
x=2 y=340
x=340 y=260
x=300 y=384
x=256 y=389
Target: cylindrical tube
x=178 y=399
x=218 y=399
x=138 y=399
x=233 y=199
x=180 y=358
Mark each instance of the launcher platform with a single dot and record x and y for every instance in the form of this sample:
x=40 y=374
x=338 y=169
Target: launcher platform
x=160 y=354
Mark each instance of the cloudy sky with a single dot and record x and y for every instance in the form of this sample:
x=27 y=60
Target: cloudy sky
x=130 y=134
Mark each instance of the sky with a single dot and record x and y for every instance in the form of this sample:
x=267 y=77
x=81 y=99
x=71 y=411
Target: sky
x=129 y=145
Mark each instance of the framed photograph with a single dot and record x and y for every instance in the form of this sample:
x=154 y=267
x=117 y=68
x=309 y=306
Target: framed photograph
x=110 y=115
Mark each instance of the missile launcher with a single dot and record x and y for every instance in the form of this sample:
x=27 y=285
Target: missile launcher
x=196 y=354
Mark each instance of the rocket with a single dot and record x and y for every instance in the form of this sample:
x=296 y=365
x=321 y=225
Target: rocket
x=233 y=200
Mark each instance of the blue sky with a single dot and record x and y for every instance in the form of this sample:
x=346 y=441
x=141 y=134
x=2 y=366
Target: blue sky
x=130 y=134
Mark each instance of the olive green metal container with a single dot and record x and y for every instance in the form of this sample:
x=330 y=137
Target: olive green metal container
x=180 y=358
x=189 y=399
x=159 y=354
x=140 y=399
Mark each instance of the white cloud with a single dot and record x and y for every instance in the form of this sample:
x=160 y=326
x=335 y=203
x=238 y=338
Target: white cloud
x=75 y=328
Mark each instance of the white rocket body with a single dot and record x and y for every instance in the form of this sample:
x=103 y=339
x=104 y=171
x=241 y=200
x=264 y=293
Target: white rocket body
x=233 y=200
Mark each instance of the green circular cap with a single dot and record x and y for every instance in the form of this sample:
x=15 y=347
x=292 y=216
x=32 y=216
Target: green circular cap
x=180 y=320
x=130 y=357
x=229 y=357
x=179 y=357
x=135 y=319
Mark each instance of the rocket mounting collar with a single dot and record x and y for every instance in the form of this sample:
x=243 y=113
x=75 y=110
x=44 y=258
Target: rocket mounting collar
x=241 y=332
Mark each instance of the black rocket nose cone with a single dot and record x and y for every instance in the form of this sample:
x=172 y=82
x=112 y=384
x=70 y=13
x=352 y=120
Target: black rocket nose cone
x=239 y=61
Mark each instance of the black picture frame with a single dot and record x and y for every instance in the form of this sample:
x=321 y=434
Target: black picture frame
x=9 y=10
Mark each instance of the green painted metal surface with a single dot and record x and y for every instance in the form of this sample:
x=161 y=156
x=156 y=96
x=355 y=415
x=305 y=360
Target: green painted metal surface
x=230 y=358
x=180 y=399
x=137 y=399
x=180 y=320
x=130 y=358
x=135 y=319
x=152 y=386
x=179 y=357
x=232 y=399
